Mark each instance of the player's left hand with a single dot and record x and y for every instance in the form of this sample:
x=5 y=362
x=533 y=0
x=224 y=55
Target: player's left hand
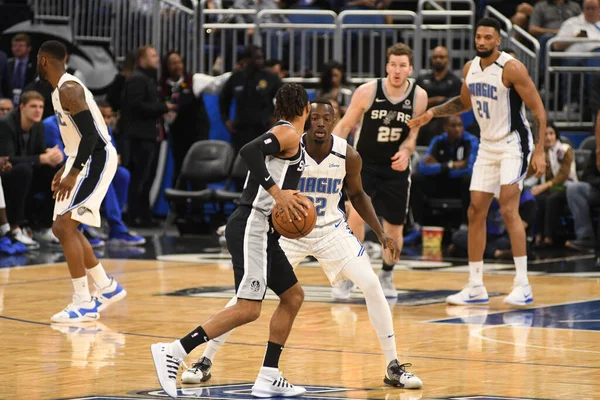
x=390 y=245
x=538 y=162
x=400 y=160
x=64 y=188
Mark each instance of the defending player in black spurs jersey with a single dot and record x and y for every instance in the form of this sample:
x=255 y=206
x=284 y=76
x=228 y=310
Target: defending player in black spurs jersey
x=80 y=185
x=386 y=143
x=275 y=161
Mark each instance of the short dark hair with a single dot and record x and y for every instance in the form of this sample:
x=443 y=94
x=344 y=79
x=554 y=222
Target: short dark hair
x=22 y=37
x=249 y=51
x=489 y=22
x=54 y=49
x=103 y=104
x=271 y=62
x=400 y=49
x=30 y=95
x=290 y=101
x=550 y=124
x=322 y=100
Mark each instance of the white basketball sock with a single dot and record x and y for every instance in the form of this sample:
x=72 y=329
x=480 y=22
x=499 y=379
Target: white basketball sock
x=99 y=276
x=360 y=272
x=521 y=267
x=81 y=289
x=215 y=344
x=475 y=273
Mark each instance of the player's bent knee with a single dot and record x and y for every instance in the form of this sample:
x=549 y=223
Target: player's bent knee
x=293 y=297
x=248 y=309
x=62 y=227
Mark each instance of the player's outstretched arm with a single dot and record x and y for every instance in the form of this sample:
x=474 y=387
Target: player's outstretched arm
x=362 y=202
x=455 y=105
x=72 y=100
x=516 y=75
x=358 y=105
x=281 y=141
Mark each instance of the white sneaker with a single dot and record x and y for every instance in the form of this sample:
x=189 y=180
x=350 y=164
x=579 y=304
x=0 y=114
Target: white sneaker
x=20 y=236
x=199 y=372
x=167 y=367
x=469 y=295
x=78 y=311
x=521 y=295
x=397 y=375
x=275 y=386
x=343 y=290
x=46 y=236
x=386 y=279
x=109 y=295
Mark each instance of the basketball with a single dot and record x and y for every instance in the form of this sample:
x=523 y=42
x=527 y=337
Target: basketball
x=297 y=228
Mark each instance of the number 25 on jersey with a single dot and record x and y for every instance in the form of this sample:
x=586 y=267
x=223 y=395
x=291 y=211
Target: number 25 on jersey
x=483 y=109
x=387 y=134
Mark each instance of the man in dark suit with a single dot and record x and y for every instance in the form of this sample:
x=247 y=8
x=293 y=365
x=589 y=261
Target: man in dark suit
x=5 y=88
x=140 y=115
x=21 y=68
x=23 y=143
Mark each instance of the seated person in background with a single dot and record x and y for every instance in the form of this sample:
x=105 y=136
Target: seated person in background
x=550 y=192
x=497 y=240
x=581 y=197
x=445 y=170
x=33 y=168
x=116 y=196
x=548 y=15
x=441 y=85
x=6 y=106
x=584 y=25
x=7 y=243
x=333 y=85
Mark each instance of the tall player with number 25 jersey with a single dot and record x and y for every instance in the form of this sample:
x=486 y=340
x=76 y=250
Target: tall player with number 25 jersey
x=386 y=144
x=497 y=87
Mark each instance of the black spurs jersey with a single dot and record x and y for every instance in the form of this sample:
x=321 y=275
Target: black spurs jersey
x=384 y=125
x=285 y=172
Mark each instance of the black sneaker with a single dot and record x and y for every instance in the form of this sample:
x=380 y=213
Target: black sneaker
x=397 y=376
x=199 y=372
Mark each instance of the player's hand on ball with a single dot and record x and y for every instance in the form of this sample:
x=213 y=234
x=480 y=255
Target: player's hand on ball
x=400 y=160
x=421 y=120
x=390 y=245
x=63 y=191
x=292 y=205
x=538 y=162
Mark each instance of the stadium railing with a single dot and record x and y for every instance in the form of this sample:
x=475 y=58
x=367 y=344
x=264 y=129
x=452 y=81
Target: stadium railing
x=567 y=82
x=451 y=27
x=363 y=37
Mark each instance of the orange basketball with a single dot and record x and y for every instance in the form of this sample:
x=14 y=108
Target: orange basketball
x=297 y=228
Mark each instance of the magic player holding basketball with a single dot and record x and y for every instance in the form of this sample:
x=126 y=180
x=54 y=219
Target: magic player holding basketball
x=331 y=163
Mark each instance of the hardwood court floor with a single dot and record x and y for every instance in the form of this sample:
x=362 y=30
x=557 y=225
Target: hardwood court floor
x=546 y=352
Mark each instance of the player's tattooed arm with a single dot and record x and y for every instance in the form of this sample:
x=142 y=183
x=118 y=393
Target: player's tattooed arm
x=451 y=107
x=72 y=97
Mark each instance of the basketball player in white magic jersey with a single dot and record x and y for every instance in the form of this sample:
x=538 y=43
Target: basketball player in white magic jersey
x=497 y=87
x=331 y=164
x=80 y=185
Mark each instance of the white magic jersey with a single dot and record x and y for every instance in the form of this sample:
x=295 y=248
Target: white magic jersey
x=499 y=110
x=68 y=130
x=322 y=184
